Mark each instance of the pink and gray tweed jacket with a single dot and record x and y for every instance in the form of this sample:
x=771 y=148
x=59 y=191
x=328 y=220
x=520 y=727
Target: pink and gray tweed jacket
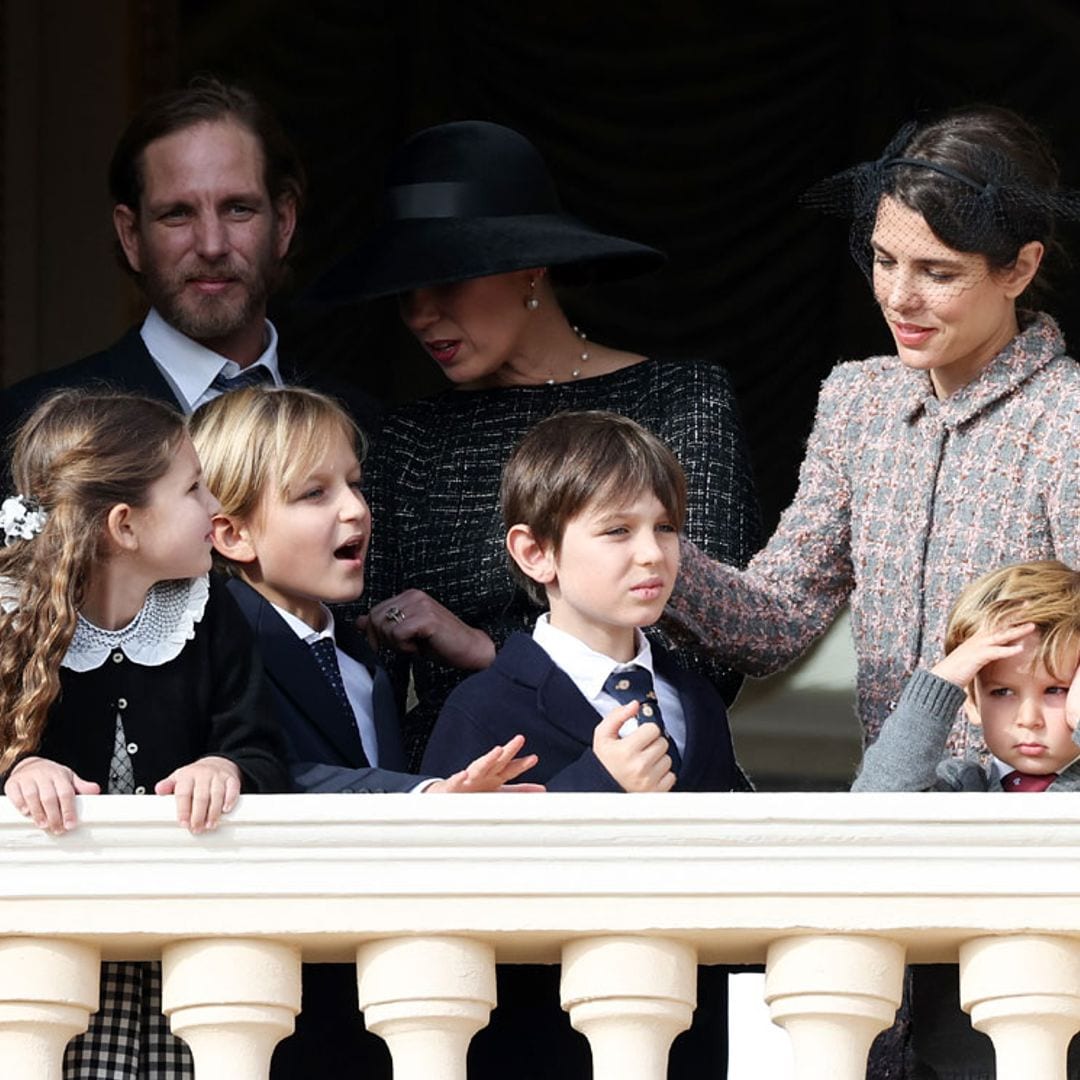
x=903 y=499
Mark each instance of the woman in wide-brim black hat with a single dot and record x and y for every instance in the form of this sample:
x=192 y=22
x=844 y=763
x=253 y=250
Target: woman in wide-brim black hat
x=472 y=229
x=473 y=235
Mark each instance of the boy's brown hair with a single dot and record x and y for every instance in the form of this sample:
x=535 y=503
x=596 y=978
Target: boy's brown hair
x=575 y=459
x=1046 y=593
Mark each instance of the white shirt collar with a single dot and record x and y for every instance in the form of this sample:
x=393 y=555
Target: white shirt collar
x=301 y=629
x=190 y=367
x=587 y=668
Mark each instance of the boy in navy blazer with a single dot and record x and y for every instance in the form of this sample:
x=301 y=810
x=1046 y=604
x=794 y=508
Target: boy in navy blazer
x=593 y=504
x=293 y=532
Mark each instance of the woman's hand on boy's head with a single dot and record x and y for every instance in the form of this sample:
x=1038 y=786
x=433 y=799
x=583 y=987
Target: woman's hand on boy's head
x=985 y=647
x=45 y=791
x=204 y=790
x=413 y=622
x=494 y=771
x=639 y=761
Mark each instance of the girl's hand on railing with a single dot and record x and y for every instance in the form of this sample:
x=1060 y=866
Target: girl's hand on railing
x=45 y=791
x=204 y=790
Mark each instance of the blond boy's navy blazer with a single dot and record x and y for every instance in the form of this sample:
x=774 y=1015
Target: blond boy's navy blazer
x=325 y=748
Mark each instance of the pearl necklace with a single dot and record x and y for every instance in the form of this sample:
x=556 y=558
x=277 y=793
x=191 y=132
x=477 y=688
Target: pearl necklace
x=582 y=358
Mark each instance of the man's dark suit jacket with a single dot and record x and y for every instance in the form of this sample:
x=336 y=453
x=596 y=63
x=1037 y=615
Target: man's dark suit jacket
x=326 y=754
x=525 y=693
x=127 y=365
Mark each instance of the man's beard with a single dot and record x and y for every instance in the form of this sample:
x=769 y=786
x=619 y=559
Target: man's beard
x=210 y=317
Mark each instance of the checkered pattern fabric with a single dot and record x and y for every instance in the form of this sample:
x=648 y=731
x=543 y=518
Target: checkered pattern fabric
x=128 y=1037
x=121 y=774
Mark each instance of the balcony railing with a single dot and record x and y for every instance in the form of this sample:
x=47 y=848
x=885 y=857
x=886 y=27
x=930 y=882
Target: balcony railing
x=628 y=893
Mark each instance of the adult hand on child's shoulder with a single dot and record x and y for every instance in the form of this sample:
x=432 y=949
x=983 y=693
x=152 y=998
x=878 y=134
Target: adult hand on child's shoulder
x=639 y=761
x=413 y=622
x=493 y=771
x=204 y=790
x=985 y=647
x=45 y=791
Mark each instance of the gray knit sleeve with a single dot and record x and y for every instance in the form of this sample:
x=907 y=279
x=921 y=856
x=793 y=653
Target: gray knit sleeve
x=912 y=741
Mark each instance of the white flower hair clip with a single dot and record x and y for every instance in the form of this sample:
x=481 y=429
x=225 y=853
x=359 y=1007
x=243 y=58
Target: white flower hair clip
x=21 y=519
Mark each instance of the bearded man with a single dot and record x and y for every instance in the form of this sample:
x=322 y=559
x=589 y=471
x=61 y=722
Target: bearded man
x=207 y=191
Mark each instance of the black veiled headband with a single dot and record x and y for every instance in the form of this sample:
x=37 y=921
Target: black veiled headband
x=944 y=170
x=1002 y=211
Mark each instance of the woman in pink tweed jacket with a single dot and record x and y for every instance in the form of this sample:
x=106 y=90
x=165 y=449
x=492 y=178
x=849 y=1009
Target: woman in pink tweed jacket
x=926 y=469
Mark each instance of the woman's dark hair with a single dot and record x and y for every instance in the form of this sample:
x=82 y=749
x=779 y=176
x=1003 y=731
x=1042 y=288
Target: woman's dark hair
x=993 y=195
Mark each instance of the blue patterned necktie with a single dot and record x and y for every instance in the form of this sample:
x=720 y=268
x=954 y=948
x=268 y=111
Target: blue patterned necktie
x=258 y=375
x=325 y=653
x=636 y=684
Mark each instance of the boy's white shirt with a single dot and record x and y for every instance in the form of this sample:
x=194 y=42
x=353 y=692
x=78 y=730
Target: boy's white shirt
x=588 y=670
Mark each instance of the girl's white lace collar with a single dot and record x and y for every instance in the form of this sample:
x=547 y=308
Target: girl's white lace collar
x=158 y=634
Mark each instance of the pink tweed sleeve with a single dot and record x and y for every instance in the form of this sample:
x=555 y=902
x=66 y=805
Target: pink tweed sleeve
x=761 y=618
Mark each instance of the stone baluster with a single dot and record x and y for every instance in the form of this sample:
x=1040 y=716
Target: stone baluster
x=426 y=997
x=833 y=994
x=1024 y=992
x=231 y=1000
x=630 y=997
x=48 y=989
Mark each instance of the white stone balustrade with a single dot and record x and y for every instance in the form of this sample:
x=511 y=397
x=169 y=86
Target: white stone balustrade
x=627 y=892
x=833 y=994
x=426 y=997
x=1024 y=992
x=629 y=996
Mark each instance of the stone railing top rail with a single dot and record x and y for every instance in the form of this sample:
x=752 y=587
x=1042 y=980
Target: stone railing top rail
x=728 y=872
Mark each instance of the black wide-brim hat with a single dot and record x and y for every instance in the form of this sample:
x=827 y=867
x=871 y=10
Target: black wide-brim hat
x=468 y=199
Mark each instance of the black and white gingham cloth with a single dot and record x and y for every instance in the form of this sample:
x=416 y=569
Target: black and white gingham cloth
x=128 y=1037
x=121 y=772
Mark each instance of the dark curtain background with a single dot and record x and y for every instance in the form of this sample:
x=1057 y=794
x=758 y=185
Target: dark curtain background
x=686 y=126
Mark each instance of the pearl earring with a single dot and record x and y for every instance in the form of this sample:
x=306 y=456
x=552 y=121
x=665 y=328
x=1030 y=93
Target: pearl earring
x=531 y=301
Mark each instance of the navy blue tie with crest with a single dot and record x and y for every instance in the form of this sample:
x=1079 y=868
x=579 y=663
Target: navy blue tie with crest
x=636 y=684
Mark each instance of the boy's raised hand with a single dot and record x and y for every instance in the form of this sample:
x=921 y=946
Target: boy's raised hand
x=638 y=762
x=969 y=657
x=494 y=771
x=45 y=791
x=204 y=790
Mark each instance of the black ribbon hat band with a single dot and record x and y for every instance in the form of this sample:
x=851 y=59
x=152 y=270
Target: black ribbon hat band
x=468 y=199
x=465 y=199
